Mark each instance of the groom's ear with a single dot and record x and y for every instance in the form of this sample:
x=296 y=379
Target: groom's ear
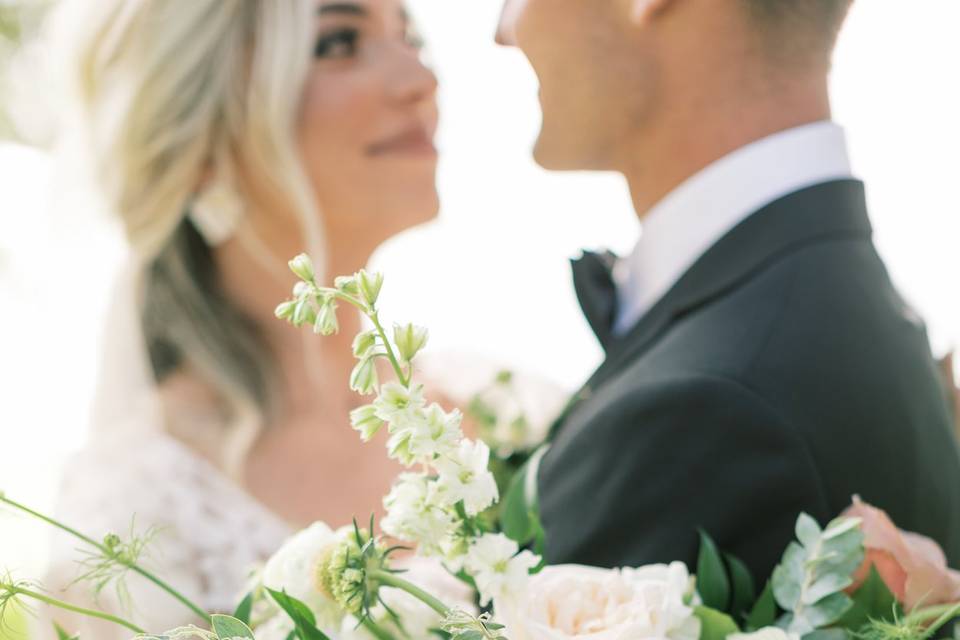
x=643 y=11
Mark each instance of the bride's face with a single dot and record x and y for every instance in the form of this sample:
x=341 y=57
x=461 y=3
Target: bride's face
x=368 y=120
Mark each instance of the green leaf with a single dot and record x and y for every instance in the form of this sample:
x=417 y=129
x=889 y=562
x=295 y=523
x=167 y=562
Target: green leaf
x=62 y=634
x=712 y=582
x=229 y=628
x=519 y=517
x=715 y=625
x=872 y=601
x=822 y=614
x=243 y=610
x=764 y=612
x=744 y=590
x=303 y=619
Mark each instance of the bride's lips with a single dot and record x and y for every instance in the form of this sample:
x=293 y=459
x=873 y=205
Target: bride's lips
x=415 y=141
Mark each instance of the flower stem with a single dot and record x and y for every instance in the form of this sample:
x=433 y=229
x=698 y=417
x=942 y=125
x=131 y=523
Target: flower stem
x=392 y=580
x=371 y=313
x=69 y=607
x=375 y=630
x=375 y=319
x=107 y=554
x=941 y=615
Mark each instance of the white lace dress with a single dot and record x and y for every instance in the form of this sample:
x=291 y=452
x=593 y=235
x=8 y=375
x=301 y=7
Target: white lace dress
x=210 y=533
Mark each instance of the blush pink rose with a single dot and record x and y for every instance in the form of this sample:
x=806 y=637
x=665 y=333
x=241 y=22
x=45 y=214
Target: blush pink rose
x=912 y=566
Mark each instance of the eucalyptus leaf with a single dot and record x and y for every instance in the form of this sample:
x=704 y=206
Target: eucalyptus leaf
x=229 y=628
x=713 y=585
x=807 y=530
x=715 y=625
x=828 y=634
x=822 y=614
x=809 y=581
x=764 y=612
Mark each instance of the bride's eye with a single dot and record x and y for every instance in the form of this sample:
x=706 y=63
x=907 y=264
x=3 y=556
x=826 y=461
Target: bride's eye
x=338 y=44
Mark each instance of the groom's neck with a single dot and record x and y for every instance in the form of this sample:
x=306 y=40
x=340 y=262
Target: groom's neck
x=703 y=127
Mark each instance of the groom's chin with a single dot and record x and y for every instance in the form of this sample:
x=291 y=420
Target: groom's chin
x=553 y=154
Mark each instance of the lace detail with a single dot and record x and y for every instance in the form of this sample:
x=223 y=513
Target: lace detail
x=211 y=533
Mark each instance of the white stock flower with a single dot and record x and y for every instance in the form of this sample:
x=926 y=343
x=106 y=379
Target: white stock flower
x=437 y=433
x=364 y=419
x=464 y=474
x=295 y=569
x=499 y=571
x=564 y=602
x=398 y=405
x=410 y=339
x=413 y=514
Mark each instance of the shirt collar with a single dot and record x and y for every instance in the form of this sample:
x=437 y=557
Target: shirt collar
x=693 y=217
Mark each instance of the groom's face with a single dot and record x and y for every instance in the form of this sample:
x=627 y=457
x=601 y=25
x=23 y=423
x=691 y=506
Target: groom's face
x=593 y=83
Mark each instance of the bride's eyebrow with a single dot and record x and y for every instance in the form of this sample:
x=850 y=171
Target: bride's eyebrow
x=347 y=8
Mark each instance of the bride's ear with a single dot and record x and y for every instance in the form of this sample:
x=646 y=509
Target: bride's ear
x=643 y=11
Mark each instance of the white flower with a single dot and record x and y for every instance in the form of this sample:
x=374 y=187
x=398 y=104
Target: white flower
x=295 y=569
x=369 y=285
x=364 y=343
x=437 y=433
x=499 y=571
x=464 y=475
x=767 y=633
x=363 y=378
x=326 y=322
x=564 y=602
x=410 y=339
x=414 y=515
x=364 y=419
x=398 y=405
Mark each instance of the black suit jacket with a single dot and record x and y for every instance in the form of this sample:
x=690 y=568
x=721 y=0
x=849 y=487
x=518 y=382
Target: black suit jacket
x=783 y=373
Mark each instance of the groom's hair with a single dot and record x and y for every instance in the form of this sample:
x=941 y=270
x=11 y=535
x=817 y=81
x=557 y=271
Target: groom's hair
x=798 y=31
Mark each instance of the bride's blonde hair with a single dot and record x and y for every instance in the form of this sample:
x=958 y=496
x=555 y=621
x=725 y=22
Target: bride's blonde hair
x=169 y=93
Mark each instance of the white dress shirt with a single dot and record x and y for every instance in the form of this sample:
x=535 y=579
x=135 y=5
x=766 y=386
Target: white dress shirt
x=679 y=229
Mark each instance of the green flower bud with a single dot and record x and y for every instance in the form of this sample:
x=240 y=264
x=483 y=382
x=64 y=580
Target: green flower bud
x=348 y=285
x=370 y=284
x=284 y=310
x=326 y=322
x=363 y=379
x=343 y=573
x=302 y=266
x=410 y=339
x=364 y=419
x=364 y=343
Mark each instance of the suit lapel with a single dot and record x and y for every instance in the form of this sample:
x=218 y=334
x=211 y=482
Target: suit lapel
x=818 y=213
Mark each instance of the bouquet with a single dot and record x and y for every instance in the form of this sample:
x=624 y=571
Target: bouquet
x=453 y=560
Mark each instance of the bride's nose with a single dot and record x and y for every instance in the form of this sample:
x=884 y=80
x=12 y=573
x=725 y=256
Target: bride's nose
x=410 y=80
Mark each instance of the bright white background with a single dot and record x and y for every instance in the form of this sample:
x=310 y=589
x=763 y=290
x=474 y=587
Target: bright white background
x=491 y=277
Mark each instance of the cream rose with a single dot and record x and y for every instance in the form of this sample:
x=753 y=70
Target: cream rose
x=295 y=569
x=573 y=601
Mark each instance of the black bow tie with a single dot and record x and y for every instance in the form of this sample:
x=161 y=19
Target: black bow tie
x=596 y=291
